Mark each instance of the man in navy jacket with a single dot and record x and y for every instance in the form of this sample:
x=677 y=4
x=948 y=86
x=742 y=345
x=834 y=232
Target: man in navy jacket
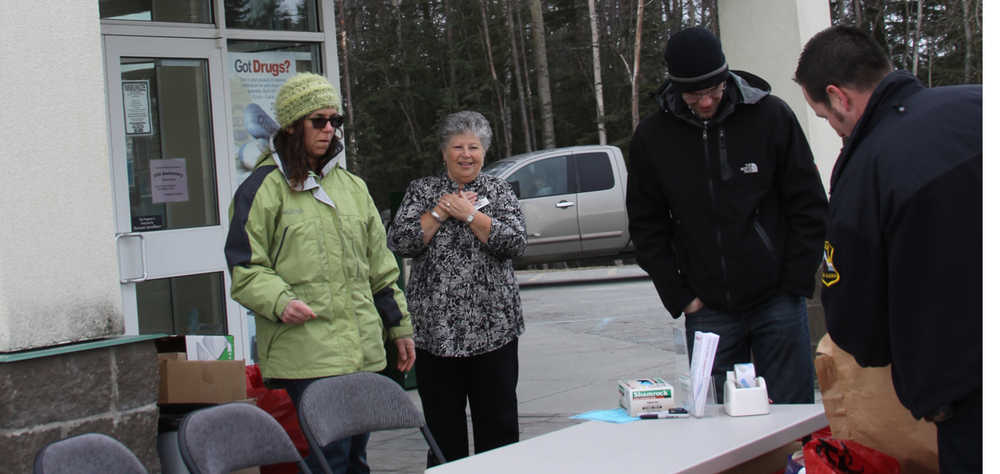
x=726 y=209
x=903 y=257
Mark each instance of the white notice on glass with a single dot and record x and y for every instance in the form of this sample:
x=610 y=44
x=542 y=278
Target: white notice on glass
x=135 y=98
x=168 y=178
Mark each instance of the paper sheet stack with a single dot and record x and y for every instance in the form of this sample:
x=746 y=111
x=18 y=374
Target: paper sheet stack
x=702 y=358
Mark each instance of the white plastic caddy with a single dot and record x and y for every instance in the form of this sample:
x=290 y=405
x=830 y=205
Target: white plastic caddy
x=744 y=401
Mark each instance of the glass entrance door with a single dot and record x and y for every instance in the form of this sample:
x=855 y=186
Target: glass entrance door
x=172 y=185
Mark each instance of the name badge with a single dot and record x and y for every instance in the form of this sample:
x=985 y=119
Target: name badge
x=481 y=203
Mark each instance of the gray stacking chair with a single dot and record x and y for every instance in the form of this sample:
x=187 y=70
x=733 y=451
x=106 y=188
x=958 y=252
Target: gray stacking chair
x=91 y=453
x=225 y=438
x=337 y=407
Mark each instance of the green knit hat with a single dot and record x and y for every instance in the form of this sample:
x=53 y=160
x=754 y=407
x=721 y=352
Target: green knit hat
x=301 y=95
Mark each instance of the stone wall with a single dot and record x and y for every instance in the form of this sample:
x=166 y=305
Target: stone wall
x=110 y=390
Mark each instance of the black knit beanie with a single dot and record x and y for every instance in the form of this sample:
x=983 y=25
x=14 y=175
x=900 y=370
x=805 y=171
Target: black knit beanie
x=695 y=60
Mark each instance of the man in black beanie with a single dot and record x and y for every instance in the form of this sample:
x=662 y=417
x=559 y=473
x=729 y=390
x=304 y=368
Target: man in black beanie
x=726 y=209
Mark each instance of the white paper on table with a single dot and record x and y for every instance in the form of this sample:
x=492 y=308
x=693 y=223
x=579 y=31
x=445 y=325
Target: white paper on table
x=702 y=359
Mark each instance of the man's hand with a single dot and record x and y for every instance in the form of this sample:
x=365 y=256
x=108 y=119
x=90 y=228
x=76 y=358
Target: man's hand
x=694 y=306
x=297 y=312
x=407 y=354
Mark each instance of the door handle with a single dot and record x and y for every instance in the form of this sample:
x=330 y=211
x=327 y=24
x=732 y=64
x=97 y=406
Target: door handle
x=565 y=204
x=142 y=255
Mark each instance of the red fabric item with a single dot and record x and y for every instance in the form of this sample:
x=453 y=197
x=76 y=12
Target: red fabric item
x=827 y=455
x=824 y=432
x=280 y=406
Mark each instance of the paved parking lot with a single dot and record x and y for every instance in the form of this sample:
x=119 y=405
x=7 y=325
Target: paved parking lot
x=585 y=330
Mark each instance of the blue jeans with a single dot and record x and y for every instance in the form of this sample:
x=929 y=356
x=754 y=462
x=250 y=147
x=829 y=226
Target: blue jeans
x=776 y=333
x=345 y=456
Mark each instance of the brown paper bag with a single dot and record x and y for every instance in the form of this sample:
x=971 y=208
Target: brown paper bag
x=861 y=405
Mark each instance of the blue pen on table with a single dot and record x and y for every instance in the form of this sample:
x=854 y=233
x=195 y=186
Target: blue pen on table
x=671 y=413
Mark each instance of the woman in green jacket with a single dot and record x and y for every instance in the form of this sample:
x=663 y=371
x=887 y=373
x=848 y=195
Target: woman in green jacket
x=307 y=253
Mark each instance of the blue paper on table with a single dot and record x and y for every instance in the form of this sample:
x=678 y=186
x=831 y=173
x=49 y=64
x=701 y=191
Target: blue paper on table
x=618 y=415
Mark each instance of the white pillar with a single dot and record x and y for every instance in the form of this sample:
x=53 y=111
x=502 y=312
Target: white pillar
x=58 y=270
x=765 y=37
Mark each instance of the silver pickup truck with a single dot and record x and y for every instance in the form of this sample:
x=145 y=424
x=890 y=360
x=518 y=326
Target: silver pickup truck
x=573 y=200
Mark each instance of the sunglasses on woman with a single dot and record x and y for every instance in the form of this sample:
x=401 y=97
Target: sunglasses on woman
x=319 y=123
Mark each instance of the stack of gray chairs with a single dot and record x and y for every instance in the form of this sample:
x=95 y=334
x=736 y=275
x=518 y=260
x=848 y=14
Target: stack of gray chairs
x=347 y=405
x=91 y=453
x=233 y=436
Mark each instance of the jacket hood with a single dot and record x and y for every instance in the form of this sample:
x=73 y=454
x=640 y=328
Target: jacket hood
x=889 y=94
x=895 y=87
x=741 y=88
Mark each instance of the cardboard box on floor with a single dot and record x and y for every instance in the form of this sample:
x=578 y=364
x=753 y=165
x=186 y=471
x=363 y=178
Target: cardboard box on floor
x=861 y=405
x=200 y=381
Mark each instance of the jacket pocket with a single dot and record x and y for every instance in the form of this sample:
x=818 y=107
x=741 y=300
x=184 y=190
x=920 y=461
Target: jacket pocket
x=281 y=245
x=354 y=244
x=267 y=334
x=299 y=253
x=765 y=239
x=679 y=250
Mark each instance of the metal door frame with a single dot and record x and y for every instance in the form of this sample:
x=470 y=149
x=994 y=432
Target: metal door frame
x=204 y=244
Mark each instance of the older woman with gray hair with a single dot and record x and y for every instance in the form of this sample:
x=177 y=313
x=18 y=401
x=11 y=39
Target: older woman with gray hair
x=462 y=228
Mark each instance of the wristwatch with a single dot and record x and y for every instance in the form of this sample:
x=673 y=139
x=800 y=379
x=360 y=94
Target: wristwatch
x=472 y=217
x=436 y=216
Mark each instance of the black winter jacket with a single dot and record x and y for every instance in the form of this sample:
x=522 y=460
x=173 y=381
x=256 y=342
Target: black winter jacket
x=730 y=210
x=904 y=260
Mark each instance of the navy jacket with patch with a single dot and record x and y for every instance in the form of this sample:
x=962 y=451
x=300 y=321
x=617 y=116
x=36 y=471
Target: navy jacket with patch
x=731 y=209
x=904 y=252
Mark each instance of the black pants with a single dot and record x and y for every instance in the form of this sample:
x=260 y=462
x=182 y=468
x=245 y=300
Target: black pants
x=488 y=381
x=960 y=438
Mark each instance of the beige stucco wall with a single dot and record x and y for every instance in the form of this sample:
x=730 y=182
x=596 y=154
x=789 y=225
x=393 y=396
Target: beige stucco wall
x=765 y=37
x=58 y=270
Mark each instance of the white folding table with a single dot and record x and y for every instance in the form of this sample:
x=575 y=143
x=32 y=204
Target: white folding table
x=708 y=444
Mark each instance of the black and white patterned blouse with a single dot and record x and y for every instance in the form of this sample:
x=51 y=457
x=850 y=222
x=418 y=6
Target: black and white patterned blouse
x=462 y=293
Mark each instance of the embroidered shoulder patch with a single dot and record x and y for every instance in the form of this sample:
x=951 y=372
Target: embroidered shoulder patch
x=829 y=275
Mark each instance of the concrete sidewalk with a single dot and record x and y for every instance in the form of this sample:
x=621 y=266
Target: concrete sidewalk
x=562 y=373
x=529 y=278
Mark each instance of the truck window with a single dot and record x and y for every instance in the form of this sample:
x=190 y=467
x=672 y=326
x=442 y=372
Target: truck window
x=545 y=177
x=594 y=170
x=497 y=167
